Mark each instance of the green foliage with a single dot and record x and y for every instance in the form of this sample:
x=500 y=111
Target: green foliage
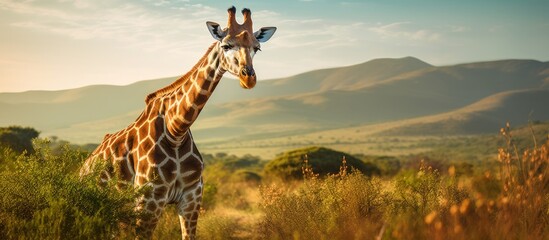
x=208 y=195
x=324 y=161
x=44 y=198
x=18 y=138
x=7 y=157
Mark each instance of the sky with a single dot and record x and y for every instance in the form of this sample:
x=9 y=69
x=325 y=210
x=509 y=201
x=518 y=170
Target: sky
x=61 y=44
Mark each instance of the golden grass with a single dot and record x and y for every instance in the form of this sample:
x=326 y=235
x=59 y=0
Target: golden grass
x=508 y=202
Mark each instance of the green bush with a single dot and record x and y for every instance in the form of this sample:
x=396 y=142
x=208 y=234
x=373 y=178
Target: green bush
x=44 y=198
x=287 y=166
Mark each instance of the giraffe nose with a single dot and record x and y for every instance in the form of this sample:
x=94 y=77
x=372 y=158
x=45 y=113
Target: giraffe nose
x=248 y=71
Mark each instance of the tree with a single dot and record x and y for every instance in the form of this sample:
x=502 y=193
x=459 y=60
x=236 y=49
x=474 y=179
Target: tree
x=18 y=138
x=288 y=165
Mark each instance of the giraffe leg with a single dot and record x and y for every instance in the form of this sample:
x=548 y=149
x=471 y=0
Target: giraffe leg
x=188 y=210
x=146 y=223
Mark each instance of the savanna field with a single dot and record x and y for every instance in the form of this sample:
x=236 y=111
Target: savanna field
x=492 y=186
x=330 y=120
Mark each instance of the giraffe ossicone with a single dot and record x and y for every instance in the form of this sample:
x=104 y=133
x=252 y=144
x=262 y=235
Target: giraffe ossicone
x=158 y=148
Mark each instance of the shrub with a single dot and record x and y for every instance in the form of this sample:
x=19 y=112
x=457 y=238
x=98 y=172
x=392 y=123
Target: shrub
x=341 y=206
x=18 y=138
x=287 y=166
x=44 y=198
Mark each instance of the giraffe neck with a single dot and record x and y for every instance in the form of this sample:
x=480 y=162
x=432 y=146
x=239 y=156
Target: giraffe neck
x=183 y=102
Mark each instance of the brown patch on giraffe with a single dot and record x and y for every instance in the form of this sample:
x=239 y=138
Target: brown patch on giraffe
x=201 y=100
x=160 y=192
x=145 y=146
x=132 y=137
x=153 y=132
x=206 y=85
x=189 y=197
x=159 y=126
x=185 y=148
x=151 y=206
x=165 y=144
x=107 y=152
x=191 y=164
x=190 y=114
x=123 y=171
x=211 y=75
x=189 y=207
x=169 y=171
x=198 y=191
x=157 y=156
x=119 y=147
x=143 y=131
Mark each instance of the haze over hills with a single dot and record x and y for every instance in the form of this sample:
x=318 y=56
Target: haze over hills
x=392 y=96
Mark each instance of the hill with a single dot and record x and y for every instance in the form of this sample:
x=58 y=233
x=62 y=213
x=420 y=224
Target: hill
x=423 y=92
x=484 y=116
x=389 y=96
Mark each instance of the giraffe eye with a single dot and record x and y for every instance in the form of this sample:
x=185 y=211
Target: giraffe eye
x=227 y=47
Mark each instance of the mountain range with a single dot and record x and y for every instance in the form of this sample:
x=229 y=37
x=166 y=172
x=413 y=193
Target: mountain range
x=403 y=96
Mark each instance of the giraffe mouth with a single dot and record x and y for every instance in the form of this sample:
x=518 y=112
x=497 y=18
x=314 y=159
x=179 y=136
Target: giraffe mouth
x=247 y=77
x=247 y=82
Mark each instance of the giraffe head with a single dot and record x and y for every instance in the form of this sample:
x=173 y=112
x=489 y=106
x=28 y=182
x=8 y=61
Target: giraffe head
x=239 y=43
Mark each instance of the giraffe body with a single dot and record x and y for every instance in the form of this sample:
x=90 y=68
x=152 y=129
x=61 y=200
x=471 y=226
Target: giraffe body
x=158 y=149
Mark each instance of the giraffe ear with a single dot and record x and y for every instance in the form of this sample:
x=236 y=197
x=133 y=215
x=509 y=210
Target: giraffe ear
x=264 y=33
x=216 y=31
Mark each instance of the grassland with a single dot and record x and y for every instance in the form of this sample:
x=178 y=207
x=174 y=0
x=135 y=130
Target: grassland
x=470 y=187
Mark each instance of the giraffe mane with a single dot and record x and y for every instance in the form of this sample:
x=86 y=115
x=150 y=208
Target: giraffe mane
x=173 y=86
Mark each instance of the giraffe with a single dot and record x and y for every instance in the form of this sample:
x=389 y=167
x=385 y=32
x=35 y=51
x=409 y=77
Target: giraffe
x=158 y=149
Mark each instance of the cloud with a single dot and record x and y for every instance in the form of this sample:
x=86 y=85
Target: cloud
x=149 y=25
x=311 y=33
x=31 y=9
x=458 y=29
x=405 y=30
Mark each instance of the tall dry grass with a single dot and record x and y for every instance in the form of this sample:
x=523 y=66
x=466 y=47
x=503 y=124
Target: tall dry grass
x=511 y=202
